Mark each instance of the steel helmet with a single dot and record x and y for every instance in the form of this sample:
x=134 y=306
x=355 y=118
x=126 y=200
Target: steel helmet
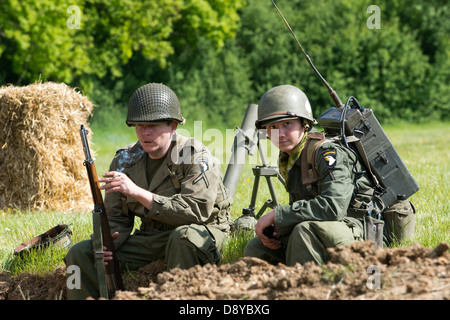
x=281 y=103
x=153 y=102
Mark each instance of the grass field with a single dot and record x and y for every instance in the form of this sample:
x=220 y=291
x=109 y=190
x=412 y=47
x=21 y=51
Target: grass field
x=423 y=147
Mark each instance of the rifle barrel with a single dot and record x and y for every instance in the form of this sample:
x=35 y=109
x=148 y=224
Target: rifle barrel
x=112 y=271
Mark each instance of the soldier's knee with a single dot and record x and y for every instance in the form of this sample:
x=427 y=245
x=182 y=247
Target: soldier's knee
x=196 y=235
x=252 y=249
x=301 y=232
x=193 y=243
x=78 y=252
x=178 y=233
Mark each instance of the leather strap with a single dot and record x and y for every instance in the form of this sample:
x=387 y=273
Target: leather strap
x=98 y=254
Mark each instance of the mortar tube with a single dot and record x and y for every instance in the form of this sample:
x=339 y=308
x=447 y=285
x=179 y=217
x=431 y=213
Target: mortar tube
x=242 y=146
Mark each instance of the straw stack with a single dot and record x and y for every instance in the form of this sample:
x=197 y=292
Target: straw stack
x=41 y=156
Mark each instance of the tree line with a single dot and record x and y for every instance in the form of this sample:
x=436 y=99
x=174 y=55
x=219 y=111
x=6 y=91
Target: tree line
x=220 y=55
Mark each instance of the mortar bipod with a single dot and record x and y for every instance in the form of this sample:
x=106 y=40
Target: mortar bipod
x=267 y=172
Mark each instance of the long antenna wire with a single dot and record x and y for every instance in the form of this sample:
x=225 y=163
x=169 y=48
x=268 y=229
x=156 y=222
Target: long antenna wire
x=332 y=93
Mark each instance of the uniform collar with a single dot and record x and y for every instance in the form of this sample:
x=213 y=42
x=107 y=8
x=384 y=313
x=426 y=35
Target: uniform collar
x=171 y=159
x=286 y=161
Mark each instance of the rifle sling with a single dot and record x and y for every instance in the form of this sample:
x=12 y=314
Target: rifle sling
x=98 y=250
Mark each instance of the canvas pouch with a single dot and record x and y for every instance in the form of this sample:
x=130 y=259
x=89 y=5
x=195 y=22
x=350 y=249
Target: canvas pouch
x=400 y=220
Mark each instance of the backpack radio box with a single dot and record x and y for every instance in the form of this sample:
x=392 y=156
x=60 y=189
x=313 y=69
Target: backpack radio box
x=385 y=163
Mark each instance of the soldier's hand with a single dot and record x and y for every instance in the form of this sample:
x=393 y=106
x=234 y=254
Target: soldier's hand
x=264 y=222
x=107 y=255
x=118 y=182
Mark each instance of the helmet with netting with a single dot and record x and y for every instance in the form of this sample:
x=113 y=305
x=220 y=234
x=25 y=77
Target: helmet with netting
x=153 y=102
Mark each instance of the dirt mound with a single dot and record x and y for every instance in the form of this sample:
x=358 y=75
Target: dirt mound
x=51 y=286
x=357 y=271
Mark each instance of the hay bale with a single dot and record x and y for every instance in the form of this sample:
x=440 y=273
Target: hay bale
x=41 y=156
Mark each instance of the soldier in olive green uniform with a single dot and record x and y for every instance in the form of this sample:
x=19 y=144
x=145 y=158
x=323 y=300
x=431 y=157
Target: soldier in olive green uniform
x=316 y=217
x=171 y=183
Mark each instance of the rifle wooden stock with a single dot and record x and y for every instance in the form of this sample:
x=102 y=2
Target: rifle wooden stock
x=112 y=271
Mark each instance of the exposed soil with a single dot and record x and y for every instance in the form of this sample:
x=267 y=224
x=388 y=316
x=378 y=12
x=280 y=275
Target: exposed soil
x=358 y=271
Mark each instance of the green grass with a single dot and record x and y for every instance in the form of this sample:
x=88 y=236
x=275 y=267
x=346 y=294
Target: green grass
x=17 y=227
x=423 y=147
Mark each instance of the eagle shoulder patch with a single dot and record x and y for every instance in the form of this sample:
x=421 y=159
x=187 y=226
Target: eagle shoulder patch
x=330 y=158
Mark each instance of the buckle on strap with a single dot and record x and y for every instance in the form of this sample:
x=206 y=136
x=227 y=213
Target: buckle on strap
x=99 y=255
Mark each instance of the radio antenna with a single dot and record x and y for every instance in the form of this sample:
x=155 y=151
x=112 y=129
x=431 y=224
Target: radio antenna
x=334 y=96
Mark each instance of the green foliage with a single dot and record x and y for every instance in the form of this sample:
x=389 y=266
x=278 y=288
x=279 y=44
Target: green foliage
x=215 y=19
x=41 y=39
x=220 y=55
x=35 y=41
x=212 y=86
x=372 y=64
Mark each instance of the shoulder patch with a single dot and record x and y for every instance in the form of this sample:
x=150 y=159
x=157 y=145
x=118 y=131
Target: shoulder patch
x=330 y=158
x=202 y=176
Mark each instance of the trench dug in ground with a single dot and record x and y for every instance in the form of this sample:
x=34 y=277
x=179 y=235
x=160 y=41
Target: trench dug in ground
x=357 y=271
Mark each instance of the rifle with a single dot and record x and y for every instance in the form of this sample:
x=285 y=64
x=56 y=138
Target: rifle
x=108 y=276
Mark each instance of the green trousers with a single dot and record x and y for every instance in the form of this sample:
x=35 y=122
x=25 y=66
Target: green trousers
x=307 y=242
x=184 y=247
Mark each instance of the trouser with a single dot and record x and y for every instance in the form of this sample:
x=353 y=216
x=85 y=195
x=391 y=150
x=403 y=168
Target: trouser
x=307 y=242
x=184 y=247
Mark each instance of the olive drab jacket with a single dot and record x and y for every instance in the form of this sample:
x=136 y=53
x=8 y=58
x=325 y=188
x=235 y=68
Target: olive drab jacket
x=187 y=189
x=338 y=188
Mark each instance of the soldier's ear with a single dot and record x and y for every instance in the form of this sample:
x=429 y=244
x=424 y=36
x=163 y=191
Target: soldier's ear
x=173 y=125
x=306 y=124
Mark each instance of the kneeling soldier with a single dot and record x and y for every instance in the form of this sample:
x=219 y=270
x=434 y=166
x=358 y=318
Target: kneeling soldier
x=171 y=183
x=322 y=180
